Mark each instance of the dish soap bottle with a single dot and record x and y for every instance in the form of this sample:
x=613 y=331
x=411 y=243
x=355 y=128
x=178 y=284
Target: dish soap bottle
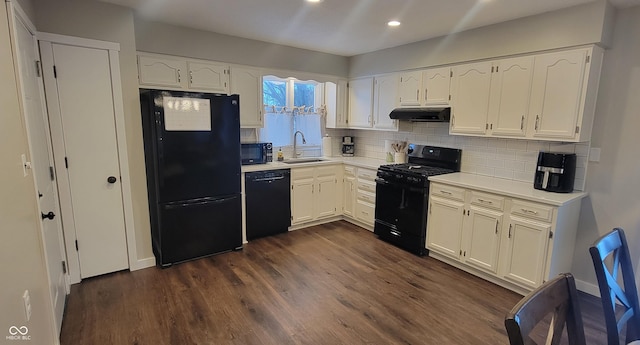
x=280 y=155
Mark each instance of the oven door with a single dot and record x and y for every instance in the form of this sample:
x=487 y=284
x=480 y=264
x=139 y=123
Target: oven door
x=401 y=215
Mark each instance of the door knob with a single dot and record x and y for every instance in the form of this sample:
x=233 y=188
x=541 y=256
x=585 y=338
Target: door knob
x=49 y=215
x=111 y=179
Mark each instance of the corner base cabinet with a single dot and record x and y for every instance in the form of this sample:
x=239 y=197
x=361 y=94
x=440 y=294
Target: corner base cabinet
x=513 y=241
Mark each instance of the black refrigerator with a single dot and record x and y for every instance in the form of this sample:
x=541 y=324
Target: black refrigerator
x=192 y=157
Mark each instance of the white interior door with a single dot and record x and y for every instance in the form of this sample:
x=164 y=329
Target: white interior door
x=82 y=86
x=42 y=164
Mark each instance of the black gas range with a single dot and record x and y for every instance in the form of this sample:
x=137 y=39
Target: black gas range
x=402 y=192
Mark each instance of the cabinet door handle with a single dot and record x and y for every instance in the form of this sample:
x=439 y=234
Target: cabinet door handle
x=522 y=123
x=190 y=77
x=497 y=222
x=485 y=201
x=537 y=121
x=179 y=78
x=418 y=95
x=319 y=188
x=529 y=211
x=453 y=120
x=425 y=95
x=510 y=226
x=445 y=192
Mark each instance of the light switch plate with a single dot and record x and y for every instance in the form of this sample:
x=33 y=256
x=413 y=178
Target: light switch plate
x=27 y=304
x=594 y=154
x=26 y=166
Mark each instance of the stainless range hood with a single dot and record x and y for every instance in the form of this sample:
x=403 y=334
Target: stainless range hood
x=442 y=114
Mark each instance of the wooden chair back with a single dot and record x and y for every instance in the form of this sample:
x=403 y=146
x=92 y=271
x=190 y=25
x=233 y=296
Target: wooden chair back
x=557 y=297
x=610 y=255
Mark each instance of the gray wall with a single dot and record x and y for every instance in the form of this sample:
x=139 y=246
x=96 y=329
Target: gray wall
x=102 y=21
x=21 y=253
x=572 y=26
x=174 y=40
x=613 y=183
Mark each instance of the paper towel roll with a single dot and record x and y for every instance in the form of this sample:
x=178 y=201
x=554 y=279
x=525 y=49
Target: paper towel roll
x=326 y=147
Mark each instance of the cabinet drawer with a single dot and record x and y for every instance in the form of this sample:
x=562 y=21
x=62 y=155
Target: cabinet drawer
x=367 y=174
x=365 y=212
x=349 y=170
x=446 y=191
x=367 y=196
x=326 y=171
x=487 y=200
x=532 y=210
x=366 y=186
x=301 y=173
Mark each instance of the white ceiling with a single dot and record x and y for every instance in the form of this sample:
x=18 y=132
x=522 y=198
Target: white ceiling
x=342 y=27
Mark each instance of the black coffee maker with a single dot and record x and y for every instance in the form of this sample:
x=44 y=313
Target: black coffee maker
x=555 y=172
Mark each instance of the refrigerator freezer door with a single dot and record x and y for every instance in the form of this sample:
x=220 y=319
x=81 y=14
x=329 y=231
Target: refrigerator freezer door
x=201 y=161
x=199 y=228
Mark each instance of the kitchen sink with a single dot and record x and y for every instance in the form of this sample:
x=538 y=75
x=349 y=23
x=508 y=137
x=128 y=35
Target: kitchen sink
x=303 y=160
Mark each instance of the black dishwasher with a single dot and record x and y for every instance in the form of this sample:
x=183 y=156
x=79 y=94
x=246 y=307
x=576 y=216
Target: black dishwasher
x=268 y=202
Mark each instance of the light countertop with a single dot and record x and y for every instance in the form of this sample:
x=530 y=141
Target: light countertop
x=516 y=189
x=355 y=161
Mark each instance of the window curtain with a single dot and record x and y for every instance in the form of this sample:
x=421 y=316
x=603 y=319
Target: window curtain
x=278 y=129
x=310 y=125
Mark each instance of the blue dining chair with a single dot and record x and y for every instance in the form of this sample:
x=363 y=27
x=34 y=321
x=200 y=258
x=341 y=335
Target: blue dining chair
x=610 y=255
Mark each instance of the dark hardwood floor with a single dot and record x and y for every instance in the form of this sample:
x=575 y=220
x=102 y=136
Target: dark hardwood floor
x=329 y=284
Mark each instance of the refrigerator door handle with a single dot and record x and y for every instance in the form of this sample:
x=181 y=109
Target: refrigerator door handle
x=199 y=202
x=159 y=146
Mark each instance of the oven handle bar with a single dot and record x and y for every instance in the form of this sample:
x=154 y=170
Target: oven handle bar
x=402 y=185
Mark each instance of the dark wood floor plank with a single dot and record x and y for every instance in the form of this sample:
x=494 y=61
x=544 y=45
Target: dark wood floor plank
x=330 y=284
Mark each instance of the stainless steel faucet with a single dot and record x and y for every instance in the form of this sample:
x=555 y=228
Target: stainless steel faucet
x=295 y=149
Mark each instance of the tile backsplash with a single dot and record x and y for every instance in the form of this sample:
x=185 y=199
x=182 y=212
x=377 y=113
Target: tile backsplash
x=513 y=159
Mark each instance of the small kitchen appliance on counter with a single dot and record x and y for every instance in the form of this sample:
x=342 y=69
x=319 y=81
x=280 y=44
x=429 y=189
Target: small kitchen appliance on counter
x=256 y=153
x=555 y=172
x=348 y=147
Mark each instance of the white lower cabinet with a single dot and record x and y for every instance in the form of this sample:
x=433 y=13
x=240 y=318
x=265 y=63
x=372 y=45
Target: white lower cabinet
x=513 y=242
x=359 y=195
x=465 y=226
x=526 y=251
x=349 y=192
x=314 y=193
x=366 y=196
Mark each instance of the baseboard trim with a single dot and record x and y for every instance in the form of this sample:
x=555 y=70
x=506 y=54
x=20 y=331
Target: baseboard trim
x=143 y=263
x=591 y=289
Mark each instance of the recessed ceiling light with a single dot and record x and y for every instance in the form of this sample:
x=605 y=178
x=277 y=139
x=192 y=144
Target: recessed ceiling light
x=393 y=23
x=314 y=0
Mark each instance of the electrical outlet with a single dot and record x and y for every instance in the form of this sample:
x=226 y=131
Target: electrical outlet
x=27 y=304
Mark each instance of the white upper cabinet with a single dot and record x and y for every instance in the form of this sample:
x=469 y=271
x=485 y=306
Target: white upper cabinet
x=542 y=97
x=384 y=101
x=510 y=95
x=335 y=95
x=179 y=73
x=361 y=102
x=425 y=87
x=436 y=83
x=409 y=89
x=208 y=76
x=161 y=71
x=563 y=94
x=247 y=82
x=470 y=88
